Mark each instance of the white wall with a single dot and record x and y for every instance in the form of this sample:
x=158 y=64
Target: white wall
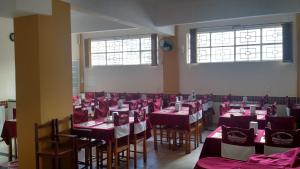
x=247 y=78
x=135 y=78
x=7 y=61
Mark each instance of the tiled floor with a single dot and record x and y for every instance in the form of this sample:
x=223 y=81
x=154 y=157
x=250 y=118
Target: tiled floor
x=161 y=159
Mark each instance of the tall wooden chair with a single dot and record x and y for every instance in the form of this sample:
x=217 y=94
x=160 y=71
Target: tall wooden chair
x=120 y=144
x=139 y=135
x=64 y=127
x=48 y=145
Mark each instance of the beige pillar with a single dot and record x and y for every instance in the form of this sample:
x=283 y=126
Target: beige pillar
x=171 y=68
x=43 y=74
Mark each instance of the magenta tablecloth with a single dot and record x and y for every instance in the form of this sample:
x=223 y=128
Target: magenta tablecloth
x=170 y=118
x=212 y=144
x=286 y=160
x=9 y=130
x=261 y=119
x=105 y=131
x=223 y=163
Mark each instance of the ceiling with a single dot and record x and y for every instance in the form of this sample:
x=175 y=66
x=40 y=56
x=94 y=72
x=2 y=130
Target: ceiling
x=155 y=15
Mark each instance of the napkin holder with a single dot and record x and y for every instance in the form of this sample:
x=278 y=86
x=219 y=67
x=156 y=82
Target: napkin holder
x=252 y=109
x=190 y=98
x=144 y=97
x=108 y=95
x=82 y=96
x=254 y=125
x=181 y=98
x=120 y=103
x=245 y=99
x=177 y=106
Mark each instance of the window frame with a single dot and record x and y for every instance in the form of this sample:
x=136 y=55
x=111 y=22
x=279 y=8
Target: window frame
x=235 y=46
x=122 y=38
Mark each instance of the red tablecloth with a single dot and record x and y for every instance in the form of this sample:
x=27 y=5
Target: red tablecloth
x=237 y=105
x=9 y=130
x=261 y=117
x=105 y=131
x=295 y=111
x=170 y=118
x=124 y=108
x=223 y=163
x=212 y=144
x=285 y=160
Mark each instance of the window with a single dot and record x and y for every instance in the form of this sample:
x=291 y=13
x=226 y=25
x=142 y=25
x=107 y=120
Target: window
x=121 y=51
x=240 y=45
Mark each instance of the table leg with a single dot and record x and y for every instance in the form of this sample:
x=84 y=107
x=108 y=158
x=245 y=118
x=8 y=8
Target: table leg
x=155 y=137
x=16 y=148
x=10 y=149
x=109 y=155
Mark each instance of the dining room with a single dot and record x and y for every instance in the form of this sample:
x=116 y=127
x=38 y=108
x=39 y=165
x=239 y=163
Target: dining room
x=149 y=84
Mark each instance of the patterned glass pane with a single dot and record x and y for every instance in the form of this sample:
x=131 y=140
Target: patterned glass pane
x=98 y=59
x=203 y=55
x=145 y=43
x=131 y=45
x=146 y=57
x=272 y=35
x=203 y=39
x=222 y=54
x=272 y=52
x=114 y=45
x=248 y=37
x=98 y=46
x=222 y=39
x=114 y=58
x=248 y=53
x=131 y=58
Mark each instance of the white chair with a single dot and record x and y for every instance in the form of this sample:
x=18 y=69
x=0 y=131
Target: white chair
x=237 y=143
x=279 y=141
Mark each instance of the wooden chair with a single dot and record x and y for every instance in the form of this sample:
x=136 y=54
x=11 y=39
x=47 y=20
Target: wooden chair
x=51 y=146
x=64 y=127
x=186 y=133
x=120 y=144
x=282 y=122
x=139 y=134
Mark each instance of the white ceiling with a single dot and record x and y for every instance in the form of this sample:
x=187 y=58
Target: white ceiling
x=155 y=15
x=167 y=12
x=87 y=22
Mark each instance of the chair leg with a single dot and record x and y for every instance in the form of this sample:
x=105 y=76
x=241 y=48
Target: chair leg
x=145 y=150
x=86 y=158
x=155 y=137
x=195 y=139
x=16 y=148
x=135 y=155
x=160 y=135
x=97 y=158
x=37 y=162
x=128 y=157
x=91 y=157
x=56 y=163
x=116 y=159
x=169 y=135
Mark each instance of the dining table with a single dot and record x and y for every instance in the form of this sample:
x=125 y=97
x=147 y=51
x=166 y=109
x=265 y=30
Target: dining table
x=169 y=117
x=295 y=111
x=9 y=132
x=212 y=144
x=104 y=130
x=123 y=109
x=238 y=104
x=260 y=116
